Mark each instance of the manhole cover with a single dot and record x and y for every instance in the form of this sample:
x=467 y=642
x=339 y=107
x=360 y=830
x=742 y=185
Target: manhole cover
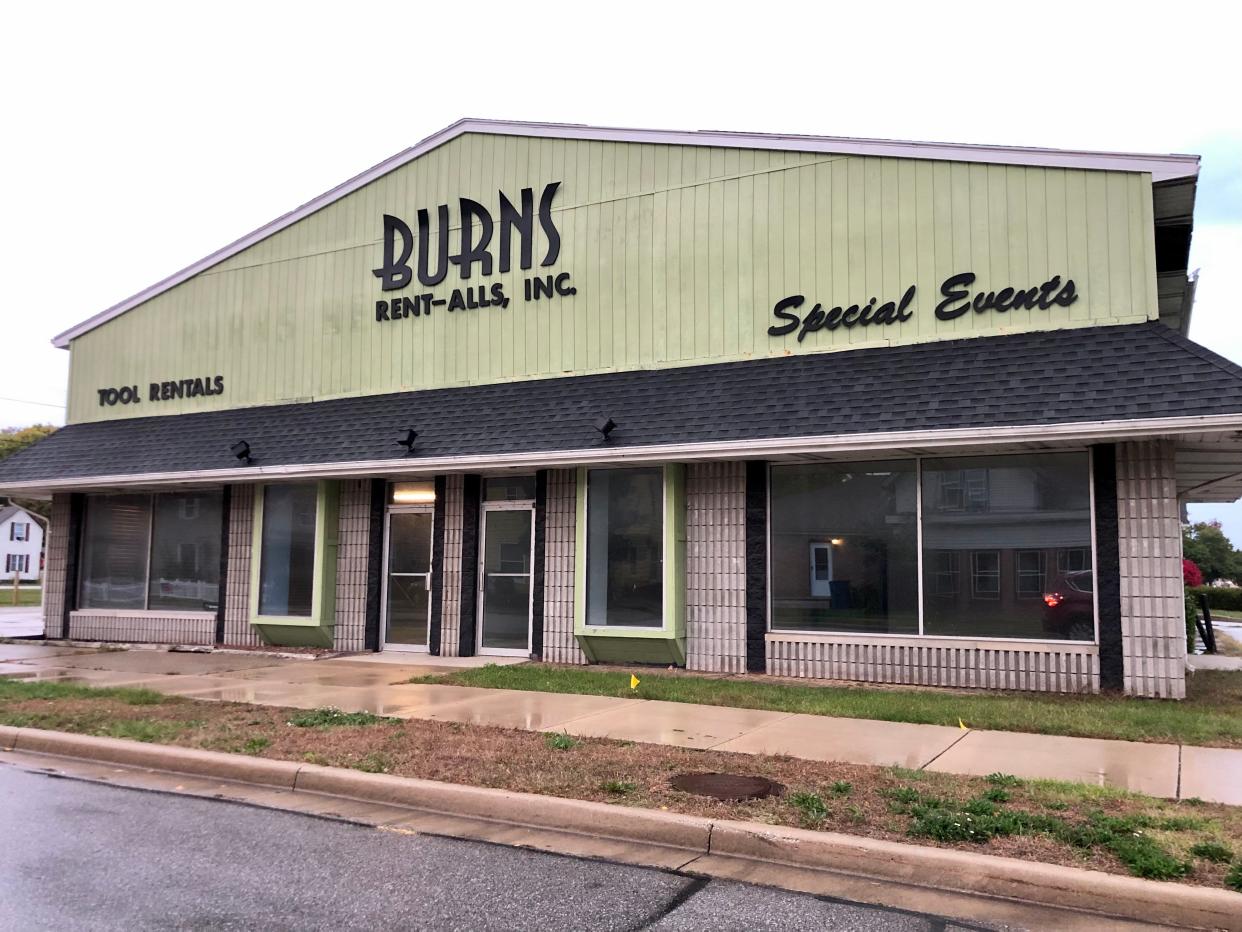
x=727 y=786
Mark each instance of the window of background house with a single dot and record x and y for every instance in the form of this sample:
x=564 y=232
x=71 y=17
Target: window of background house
x=625 y=547
x=132 y=547
x=287 y=550
x=1032 y=573
x=865 y=514
x=19 y=530
x=1036 y=505
x=985 y=574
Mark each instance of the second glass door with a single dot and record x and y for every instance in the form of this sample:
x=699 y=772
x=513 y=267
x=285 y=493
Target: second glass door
x=505 y=579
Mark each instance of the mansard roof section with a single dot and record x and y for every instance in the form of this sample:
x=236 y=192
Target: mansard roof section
x=1160 y=167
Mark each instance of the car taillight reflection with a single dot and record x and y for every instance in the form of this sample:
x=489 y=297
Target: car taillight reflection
x=1053 y=599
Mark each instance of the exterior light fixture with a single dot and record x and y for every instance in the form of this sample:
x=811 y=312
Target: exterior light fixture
x=412 y=493
x=407 y=440
x=241 y=450
x=838 y=541
x=606 y=426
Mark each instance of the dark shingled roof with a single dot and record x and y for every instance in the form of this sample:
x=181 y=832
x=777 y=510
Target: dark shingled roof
x=1045 y=377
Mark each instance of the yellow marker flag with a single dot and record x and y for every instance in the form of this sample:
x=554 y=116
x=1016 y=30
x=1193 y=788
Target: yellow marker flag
x=961 y=725
x=634 y=681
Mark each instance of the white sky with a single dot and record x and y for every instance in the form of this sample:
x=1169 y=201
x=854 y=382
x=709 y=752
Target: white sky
x=137 y=138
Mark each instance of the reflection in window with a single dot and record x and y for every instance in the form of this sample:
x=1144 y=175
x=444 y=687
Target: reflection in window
x=287 y=553
x=185 y=554
x=1037 y=517
x=985 y=574
x=1031 y=573
x=151 y=551
x=625 y=548
x=844 y=547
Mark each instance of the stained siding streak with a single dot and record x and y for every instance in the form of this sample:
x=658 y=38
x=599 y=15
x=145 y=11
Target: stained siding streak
x=677 y=255
x=559 y=644
x=450 y=617
x=716 y=567
x=55 y=565
x=1149 y=546
x=353 y=543
x=237 y=628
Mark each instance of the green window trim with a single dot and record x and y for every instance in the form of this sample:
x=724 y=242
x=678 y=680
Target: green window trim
x=301 y=630
x=594 y=639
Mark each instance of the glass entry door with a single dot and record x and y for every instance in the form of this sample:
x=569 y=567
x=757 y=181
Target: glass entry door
x=407 y=583
x=505 y=578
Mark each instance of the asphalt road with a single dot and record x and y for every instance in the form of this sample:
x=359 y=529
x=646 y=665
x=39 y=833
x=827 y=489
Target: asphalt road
x=77 y=855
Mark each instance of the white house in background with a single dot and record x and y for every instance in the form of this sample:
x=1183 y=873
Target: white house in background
x=21 y=543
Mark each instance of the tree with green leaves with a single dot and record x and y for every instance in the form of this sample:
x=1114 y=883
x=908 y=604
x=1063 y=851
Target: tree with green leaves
x=1206 y=544
x=16 y=439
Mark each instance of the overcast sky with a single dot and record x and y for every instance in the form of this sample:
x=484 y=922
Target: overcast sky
x=137 y=138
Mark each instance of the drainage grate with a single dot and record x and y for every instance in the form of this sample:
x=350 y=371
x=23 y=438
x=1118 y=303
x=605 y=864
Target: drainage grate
x=729 y=787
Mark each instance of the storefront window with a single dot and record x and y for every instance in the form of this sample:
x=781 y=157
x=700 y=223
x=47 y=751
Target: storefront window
x=1006 y=547
x=185 y=552
x=115 y=546
x=1018 y=517
x=151 y=552
x=845 y=548
x=287 y=558
x=625 y=548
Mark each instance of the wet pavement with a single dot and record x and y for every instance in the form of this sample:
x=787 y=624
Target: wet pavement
x=380 y=684
x=82 y=856
x=20 y=621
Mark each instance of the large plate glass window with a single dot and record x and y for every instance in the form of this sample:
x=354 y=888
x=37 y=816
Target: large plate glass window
x=185 y=556
x=287 y=550
x=1022 y=524
x=158 y=552
x=625 y=548
x=844 y=548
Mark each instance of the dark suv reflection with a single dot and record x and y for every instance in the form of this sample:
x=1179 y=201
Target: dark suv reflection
x=1069 y=607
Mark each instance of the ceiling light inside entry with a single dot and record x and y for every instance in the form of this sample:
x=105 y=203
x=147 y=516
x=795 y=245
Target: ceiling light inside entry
x=412 y=493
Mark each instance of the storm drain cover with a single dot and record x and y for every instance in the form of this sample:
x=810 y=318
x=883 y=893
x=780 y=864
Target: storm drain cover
x=727 y=786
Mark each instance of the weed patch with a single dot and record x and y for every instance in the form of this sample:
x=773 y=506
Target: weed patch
x=1233 y=880
x=374 y=763
x=335 y=718
x=256 y=745
x=1212 y=851
x=559 y=741
x=618 y=787
x=157 y=732
x=810 y=807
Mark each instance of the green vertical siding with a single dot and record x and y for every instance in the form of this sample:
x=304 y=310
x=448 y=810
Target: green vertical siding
x=677 y=254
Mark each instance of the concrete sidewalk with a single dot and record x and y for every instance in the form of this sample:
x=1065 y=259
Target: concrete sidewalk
x=353 y=684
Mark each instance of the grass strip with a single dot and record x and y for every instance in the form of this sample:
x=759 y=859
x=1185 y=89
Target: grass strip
x=1054 y=822
x=1210 y=715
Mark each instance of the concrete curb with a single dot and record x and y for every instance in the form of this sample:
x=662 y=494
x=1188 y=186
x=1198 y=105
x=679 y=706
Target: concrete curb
x=937 y=868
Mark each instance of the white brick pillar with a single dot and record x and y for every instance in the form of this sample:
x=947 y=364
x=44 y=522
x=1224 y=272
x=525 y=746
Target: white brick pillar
x=1149 y=544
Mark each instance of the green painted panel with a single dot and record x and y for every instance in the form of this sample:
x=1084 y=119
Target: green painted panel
x=677 y=255
x=314 y=629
